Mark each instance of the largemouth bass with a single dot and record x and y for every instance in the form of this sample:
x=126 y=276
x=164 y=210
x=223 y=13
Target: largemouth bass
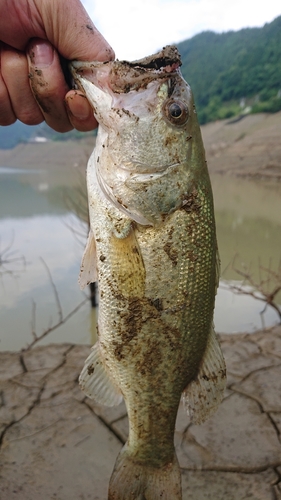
x=152 y=247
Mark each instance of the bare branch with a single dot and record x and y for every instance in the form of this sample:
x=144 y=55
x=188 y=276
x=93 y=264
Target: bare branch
x=61 y=318
x=60 y=314
x=8 y=257
x=264 y=290
x=37 y=338
x=33 y=320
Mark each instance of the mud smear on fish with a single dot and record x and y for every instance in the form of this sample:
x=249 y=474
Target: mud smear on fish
x=152 y=247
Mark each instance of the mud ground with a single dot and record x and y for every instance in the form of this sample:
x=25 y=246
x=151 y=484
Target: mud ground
x=57 y=444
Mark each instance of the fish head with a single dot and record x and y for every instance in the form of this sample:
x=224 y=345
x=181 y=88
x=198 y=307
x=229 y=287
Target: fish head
x=148 y=131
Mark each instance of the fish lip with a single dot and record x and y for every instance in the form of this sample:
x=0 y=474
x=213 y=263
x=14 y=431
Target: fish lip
x=124 y=76
x=168 y=59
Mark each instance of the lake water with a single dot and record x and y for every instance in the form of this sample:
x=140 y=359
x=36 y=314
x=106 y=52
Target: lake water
x=39 y=235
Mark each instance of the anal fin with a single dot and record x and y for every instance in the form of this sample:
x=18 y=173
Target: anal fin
x=203 y=395
x=95 y=381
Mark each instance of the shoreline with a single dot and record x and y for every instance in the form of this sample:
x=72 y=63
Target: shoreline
x=249 y=148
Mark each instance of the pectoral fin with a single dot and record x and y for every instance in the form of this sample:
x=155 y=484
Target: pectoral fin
x=88 y=272
x=203 y=395
x=95 y=381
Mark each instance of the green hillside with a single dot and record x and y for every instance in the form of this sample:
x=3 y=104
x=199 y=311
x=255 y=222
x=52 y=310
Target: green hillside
x=231 y=71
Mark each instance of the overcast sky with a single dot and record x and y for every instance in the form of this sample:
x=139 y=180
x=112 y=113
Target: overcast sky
x=137 y=28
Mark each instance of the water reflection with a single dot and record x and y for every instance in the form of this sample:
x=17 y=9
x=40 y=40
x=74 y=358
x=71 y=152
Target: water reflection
x=248 y=217
x=35 y=219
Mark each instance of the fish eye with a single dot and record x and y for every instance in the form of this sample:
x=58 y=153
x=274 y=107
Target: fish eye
x=176 y=111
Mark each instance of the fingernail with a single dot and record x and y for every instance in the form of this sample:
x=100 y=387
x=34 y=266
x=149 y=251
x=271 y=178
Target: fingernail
x=80 y=108
x=41 y=54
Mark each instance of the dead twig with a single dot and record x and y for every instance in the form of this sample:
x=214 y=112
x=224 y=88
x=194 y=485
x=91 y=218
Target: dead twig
x=8 y=259
x=62 y=320
x=61 y=317
x=57 y=299
x=266 y=289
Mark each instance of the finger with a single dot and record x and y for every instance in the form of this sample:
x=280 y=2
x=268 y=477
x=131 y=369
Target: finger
x=65 y=24
x=14 y=71
x=80 y=112
x=7 y=115
x=48 y=84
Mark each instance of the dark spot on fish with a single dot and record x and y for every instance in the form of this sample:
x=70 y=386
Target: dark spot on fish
x=191 y=203
x=148 y=364
x=126 y=111
x=102 y=258
x=169 y=140
x=172 y=252
x=133 y=319
x=98 y=159
x=89 y=27
x=171 y=232
x=90 y=369
x=121 y=202
x=158 y=304
x=192 y=256
x=118 y=352
x=127 y=88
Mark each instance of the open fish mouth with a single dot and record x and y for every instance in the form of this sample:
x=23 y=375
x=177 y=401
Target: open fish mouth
x=125 y=76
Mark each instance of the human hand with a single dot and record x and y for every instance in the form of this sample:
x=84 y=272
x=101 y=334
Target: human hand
x=33 y=36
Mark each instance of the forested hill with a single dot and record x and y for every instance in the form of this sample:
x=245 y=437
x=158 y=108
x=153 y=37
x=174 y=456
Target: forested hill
x=234 y=71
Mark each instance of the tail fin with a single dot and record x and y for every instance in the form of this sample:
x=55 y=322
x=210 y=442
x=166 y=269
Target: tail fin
x=132 y=480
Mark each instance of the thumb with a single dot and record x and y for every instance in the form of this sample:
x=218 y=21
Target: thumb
x=69 y=28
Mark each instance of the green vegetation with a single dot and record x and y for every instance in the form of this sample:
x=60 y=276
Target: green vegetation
x=234 y=72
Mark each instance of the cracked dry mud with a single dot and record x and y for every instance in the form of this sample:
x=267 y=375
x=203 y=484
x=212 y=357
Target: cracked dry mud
x=57 y=444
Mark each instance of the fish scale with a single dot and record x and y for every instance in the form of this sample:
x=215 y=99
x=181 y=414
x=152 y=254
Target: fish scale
x=152 y=247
